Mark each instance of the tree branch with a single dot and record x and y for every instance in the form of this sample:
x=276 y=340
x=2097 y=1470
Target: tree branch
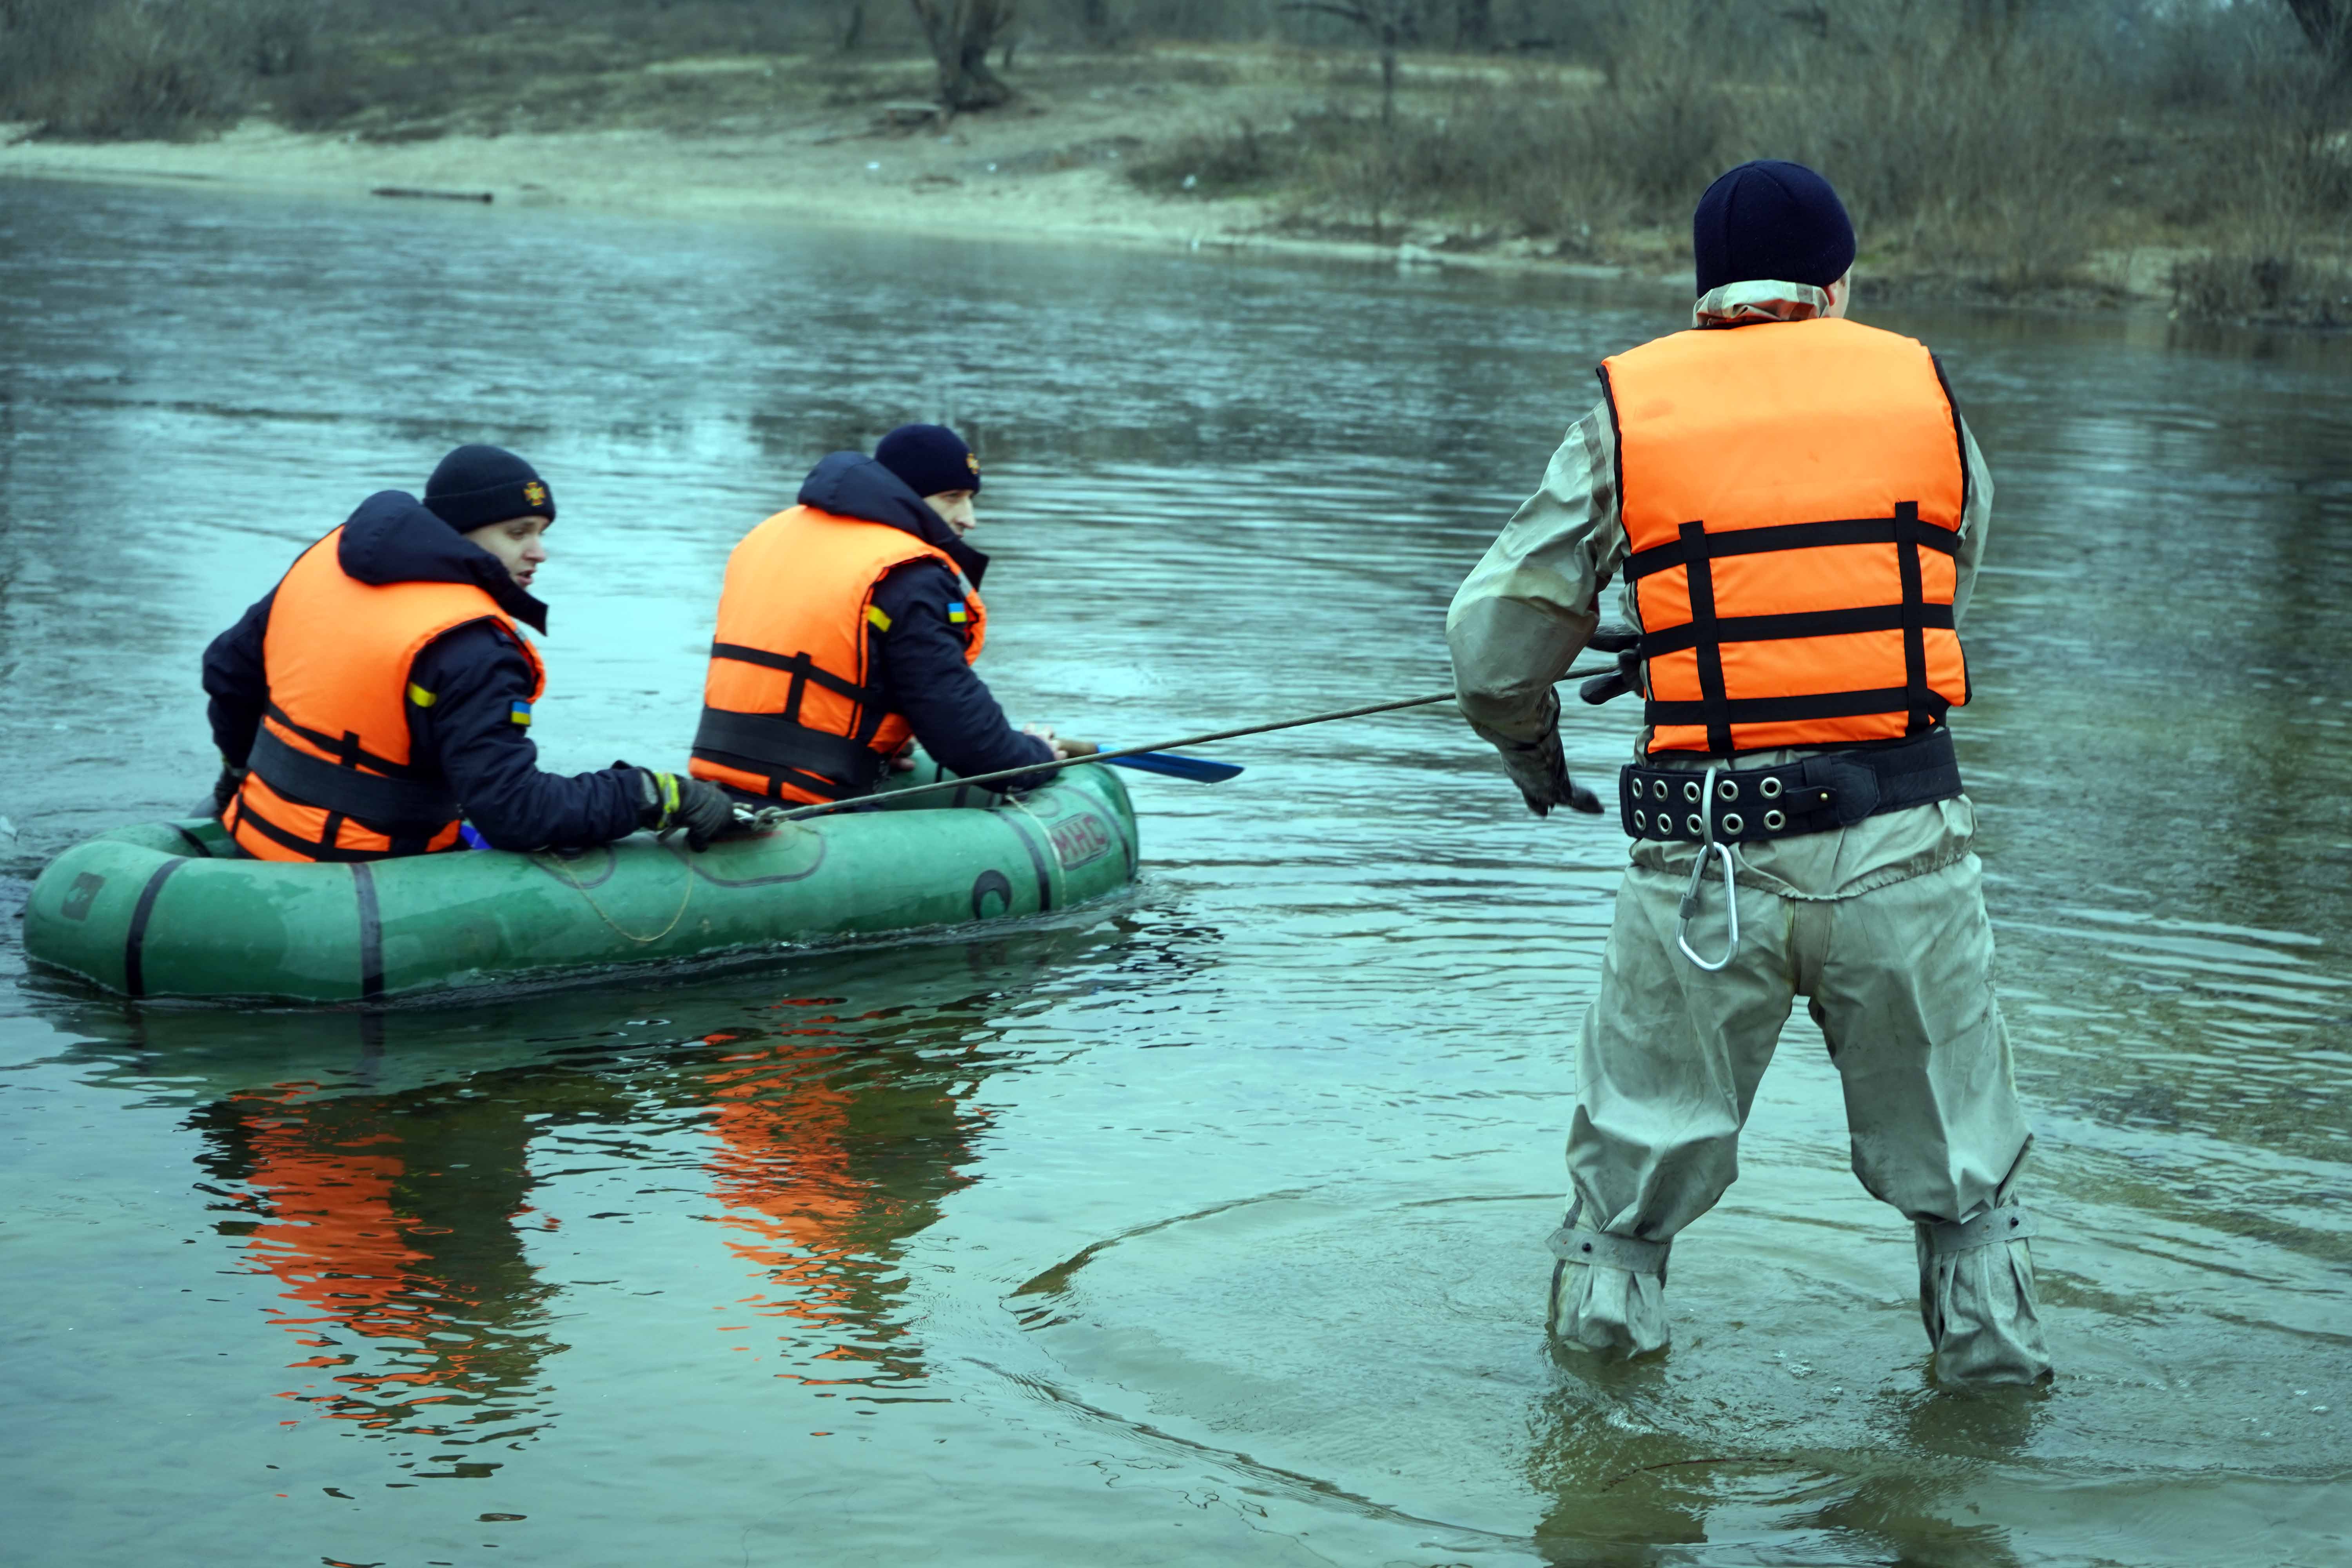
x=1361 y=17
x=2328 y=24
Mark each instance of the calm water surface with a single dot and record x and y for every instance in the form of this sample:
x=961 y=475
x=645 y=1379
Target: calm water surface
x=1200 y=1227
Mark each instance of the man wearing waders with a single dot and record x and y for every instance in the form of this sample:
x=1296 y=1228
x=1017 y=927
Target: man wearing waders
x=1796 y=511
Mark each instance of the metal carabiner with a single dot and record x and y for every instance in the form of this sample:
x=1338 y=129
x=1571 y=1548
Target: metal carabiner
x=1689 y=907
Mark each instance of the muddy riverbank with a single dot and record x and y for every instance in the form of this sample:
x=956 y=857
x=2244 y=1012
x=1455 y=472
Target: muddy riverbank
x=792 y=139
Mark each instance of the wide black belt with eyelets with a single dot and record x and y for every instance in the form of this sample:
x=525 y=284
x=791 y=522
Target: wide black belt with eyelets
x=1808 y=796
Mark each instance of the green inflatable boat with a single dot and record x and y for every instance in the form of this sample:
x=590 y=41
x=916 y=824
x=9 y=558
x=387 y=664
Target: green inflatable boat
x=168 y=908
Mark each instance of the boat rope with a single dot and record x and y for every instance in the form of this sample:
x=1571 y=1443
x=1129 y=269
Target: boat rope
x=1044 y=831
x=1027 y=769
x=684 y=897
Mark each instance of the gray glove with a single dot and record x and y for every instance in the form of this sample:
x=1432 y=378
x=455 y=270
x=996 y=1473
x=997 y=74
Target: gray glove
x=1626 y=644
x=1541 y=771
x=672 y=801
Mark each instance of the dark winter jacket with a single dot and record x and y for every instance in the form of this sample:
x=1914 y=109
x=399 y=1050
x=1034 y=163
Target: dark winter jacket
x=477 y=672
x=921 y=669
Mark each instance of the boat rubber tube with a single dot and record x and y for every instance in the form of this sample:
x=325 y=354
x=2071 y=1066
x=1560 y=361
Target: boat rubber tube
x=161 y=910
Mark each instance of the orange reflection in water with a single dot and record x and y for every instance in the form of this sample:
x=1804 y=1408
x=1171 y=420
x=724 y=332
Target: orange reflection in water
x=393 y=1228
x=829 y=1158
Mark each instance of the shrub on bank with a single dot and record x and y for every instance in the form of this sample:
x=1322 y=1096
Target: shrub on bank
x=1993 y=157
x=2242 y=287
x=123 y=69
x=113 y=69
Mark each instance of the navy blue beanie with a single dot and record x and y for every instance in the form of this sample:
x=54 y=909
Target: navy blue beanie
x=1770 y=221
x=479 y=485
x=932 y=458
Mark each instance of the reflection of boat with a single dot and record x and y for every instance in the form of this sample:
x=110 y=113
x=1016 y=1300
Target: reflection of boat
x=159 y=910
x=393 y=1228
x=418 y=1240
x=827 y=1160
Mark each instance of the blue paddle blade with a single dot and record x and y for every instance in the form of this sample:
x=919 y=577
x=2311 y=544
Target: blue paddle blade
x=1200 y=770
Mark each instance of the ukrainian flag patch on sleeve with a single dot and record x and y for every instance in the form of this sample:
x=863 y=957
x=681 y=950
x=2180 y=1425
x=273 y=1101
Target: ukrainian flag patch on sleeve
x=957 y=614
x=521 y=713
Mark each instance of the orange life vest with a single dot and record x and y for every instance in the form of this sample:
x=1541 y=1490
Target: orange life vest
x=788 y=710
x=330 y=775
x=1791 y=493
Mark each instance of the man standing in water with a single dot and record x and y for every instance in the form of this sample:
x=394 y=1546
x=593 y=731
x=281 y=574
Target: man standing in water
x=848 y=624
x=1797 y=510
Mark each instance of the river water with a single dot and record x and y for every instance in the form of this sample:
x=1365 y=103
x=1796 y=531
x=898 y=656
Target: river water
x=1202 y=1226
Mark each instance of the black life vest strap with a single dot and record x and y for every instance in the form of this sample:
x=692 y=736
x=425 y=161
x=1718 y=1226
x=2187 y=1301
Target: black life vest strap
x=1696 y=549
x=1918 y=699
x=1675 y=553
x=803 y=670
x=323 y=848
x=344 y=790
x=1707 y=638
x=1790 y=710
x=345 y=748
x=784 y=751
x=1806 y=623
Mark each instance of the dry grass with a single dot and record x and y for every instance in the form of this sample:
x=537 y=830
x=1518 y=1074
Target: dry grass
x=1998 y=162
x=2273 y=289
x=129 y=69
x=134 y=69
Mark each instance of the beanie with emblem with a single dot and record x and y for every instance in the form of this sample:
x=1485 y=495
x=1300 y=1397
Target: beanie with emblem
x=931 y=460
x=474 y=486
x=1770 y=221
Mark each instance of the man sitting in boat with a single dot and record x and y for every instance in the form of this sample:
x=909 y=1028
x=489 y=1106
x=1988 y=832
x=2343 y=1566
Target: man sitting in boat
x=383 y=690
x=847 y=626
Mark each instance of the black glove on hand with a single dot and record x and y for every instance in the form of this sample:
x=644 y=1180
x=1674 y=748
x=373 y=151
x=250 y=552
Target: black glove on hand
x=1541 y=773
x=225 y=788
x=672 y=801
x=1626 y=644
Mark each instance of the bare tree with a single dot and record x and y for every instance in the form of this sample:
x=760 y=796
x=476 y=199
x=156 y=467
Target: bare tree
x=1990 y=16
x=1391 y=24
x=2328 y=24
x=961 y=33
x=1473 y=24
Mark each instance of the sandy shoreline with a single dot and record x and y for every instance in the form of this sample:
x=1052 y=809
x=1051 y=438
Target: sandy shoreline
x=907 y=182
x=1012 y=176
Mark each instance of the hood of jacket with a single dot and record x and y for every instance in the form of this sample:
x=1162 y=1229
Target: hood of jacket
x=1765 y=299
x=851 y=484
x=393 y=539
